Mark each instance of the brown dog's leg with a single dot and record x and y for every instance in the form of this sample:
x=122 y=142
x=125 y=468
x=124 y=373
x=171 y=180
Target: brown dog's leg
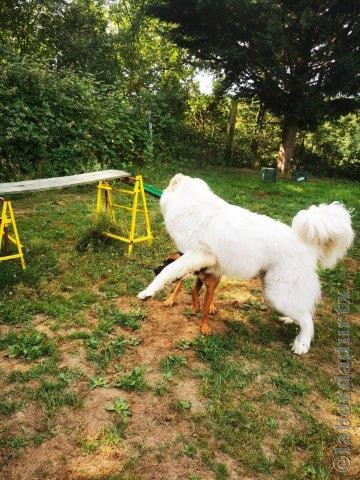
x=169 y=302
x=210 y=283
x=196 y=294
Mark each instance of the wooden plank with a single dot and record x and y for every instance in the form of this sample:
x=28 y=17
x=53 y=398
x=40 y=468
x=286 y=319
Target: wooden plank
x=61 y=182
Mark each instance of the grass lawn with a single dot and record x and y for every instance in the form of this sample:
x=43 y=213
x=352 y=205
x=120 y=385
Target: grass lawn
x=95 y=384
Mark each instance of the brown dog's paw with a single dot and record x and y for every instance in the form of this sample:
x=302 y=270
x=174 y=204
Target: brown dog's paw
x=212 y=309
x=205 y=329
x=169 y=302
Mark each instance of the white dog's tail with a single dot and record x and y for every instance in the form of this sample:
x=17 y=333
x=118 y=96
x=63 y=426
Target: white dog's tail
x=327 y=227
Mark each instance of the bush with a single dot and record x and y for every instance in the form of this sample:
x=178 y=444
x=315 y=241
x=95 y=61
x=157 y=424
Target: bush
x=333 y=149
x=56 y=122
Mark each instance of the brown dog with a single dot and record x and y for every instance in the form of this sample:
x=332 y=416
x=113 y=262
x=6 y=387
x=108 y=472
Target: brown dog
x=210 y=281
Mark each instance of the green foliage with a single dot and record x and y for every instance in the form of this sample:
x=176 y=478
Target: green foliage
x=171 y=363
x=133 y=380
x=102 y=352
x=81 y=80
x=182 y=405
x=332 y=149
x=190 y=450
x=130 y=319
x=119 y=406
x=302 y=55
x=97 y=382
x=299 y=59
x=29 y=345
x=56 y=122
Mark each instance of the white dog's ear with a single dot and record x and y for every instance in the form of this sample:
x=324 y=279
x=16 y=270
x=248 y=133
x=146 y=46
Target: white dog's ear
x=174 y=182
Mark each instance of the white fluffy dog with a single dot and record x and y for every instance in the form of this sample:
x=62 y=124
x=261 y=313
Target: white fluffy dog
x=232 y=241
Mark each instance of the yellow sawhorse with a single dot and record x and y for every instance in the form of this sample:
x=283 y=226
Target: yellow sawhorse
x=105 y=204
x=7 y=224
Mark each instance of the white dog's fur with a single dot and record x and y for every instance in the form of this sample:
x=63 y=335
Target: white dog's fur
x=232 y=241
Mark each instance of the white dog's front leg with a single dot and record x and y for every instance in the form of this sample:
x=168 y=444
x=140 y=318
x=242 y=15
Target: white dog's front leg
x=190 y=262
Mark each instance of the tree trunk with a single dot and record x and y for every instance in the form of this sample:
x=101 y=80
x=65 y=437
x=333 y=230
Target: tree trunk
x=287 y=146
x=229 y=150
x=259 y=124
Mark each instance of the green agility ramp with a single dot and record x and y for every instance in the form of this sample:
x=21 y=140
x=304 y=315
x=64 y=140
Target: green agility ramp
x=152 y=190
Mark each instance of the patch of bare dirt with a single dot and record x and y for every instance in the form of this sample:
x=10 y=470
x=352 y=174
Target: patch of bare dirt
x=73 y=356
x=41 y=323
x=28 y=421
x=13 y=364
x=188 y=389
x=61 y=457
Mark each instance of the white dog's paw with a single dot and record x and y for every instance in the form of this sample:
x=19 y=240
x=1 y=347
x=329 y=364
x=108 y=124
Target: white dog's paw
x=145 y=294
x=286 y=320
x=300 y=346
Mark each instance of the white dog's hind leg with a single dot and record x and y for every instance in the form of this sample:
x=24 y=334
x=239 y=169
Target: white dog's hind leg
x=302 y=341
x=190 y=262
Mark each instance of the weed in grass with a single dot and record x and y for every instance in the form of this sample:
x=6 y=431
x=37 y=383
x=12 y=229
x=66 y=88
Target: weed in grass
x=272 y=423
x=29 y=345
x=119 y=406
x=133 y=380
x=171 y=363
x=160 y=388
x=88 y=445
x=104 y=328
x=97 y=382
x=189 y=312
x=315 y=472
x=130 y=319
x=182 y=405
x=114 y=434
x=108 y=351
x=190 y=450
x=133 y=341
x=68 y=375
x=15 y=442
x=184 y=344
x=91 y=343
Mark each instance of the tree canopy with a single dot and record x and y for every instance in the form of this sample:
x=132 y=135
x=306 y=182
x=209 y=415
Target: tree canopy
x=113 y=82
x=300 y=58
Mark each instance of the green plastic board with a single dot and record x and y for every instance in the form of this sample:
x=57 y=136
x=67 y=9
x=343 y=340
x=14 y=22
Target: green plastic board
x=152 y=190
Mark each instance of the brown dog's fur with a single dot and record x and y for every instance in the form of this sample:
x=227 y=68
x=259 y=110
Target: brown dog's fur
x=210 y=281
